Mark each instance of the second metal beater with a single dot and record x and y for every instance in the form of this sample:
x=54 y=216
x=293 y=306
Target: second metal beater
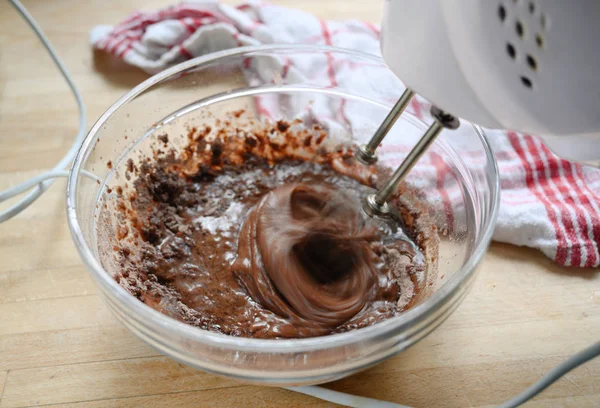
x=376 y=204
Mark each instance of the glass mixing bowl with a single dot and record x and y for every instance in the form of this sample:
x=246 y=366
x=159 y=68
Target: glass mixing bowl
x=349 y=93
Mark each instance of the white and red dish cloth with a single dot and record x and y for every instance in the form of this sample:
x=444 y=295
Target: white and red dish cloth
x=546 y=202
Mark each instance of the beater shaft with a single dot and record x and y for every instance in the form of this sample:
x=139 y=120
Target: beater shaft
x=366 y=153
x=377 y=204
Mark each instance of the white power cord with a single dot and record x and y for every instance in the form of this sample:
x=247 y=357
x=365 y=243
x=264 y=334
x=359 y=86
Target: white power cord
x=341 y=398
x=34 y=181
x=44 y=180
x=543 y=383
x=560 y=370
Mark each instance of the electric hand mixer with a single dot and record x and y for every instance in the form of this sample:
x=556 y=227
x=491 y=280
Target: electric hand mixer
x=530 y=66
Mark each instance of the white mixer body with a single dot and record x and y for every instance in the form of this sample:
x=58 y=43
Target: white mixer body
x=526 y=65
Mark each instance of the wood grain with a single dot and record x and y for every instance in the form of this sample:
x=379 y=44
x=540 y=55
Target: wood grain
x=60 y=346
x=70 y=346
x=242 y=396
x=54 y=314
x=107 y=379
x=3 y=375
x=51 y=283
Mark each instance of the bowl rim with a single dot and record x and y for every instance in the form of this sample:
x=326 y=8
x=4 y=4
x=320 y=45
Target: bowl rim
x=149 y=316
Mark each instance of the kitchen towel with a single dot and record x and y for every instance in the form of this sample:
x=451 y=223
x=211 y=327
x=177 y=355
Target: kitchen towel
x=546 y=202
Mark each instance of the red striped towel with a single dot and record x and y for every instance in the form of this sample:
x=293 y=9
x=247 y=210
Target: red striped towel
x=546 y=203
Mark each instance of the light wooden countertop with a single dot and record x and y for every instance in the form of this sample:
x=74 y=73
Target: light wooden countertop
x=60 y=346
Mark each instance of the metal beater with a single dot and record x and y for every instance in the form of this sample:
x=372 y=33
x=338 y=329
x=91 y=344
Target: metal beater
x=376 y=205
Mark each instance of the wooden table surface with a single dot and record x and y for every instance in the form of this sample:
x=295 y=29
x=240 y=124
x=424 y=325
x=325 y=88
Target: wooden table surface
x=60 y=346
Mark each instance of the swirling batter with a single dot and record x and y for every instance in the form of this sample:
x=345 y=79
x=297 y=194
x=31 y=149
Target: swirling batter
x=240 y=237
x=310 y=257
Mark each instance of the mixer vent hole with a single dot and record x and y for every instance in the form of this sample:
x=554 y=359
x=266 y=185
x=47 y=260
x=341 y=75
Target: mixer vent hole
x=531 y=62
x=539 y=40
x=526 y=82
x=502 y=13
x=510 y=50
x=519 y=29
x=531 y=7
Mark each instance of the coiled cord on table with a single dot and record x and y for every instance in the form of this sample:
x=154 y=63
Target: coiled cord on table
x=45 y=180
x=41 y=183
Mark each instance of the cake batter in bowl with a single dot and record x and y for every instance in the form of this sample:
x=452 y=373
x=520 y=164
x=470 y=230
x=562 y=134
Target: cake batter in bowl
x=240 y=91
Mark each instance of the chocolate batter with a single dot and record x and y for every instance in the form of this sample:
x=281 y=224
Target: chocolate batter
x=262 y=235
